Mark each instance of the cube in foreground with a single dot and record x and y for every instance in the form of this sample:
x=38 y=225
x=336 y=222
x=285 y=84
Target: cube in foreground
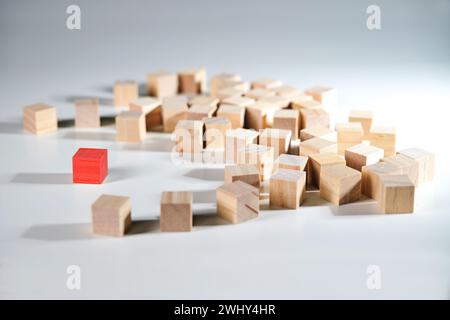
x=111 y=215
x=340 y=184
x=397 y=194
x=237 y=201
x=176 y=211
x=90 y=165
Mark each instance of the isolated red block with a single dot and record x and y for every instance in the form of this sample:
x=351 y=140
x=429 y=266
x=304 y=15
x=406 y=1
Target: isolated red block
x=90 y=165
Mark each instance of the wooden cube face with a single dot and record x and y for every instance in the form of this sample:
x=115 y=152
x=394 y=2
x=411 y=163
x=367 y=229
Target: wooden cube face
x=397 y=194
x=340 y=184
x=287 y=91
x=365 y=117
x=87 y=113
x=111 y=215
x=215 y=130
x=259 y=93
x=237 y=201
x=239 y=101
x=39 y=119
x=198 y=112
x=247 y=173
x=203 y=100
x=306 y=104
x=362 y=155
x=176 y=211
x=151 y=107
x=162 y=84
x=287 y=188
x=125 y=92
x=278 y=139
x=266 y=83
x=371 y=178
x=326 y=95
x=237 y=139
x=225 y=93
x=384 y=138
x=260 y=115
x=234 y=113
x=130 y=126
x=189 y=136
x=259 y=155
x=90 y=165
x=280 y=102
x=348 y=135
x=192 y=81
x=318 y=132
x=319 y=161
x=424 y=161
x=287 y=120
x=218 y=82
x=174 y=109
x=310 y=118
x=407 y=166
x=291 y=162
x=317 y=145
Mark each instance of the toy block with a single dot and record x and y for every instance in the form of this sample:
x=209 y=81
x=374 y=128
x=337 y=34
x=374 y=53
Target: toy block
x=371 y=177
x=39 y=119
x=130 y=126
x=287 y=188
x=317 y=145
x=259 y=155
x=281 y=102
x=173 y=110
x=291 y=162
x=124 y=92
x=189 y=136
x=348 y=135
x=299 y=104
x=218 y=82
x=340 y=184
x=192 y=81
x=287 y=119
x=111 y=215
x=203 y=100
x=236 y=114
x=247 y=173
x=287 y=91
x=237 y=201
x=383 y=137
x=266 y=83
x=294 y=147
x=319 y=161
x=176 y=211
x=198 y=112
x=318 y=132
x=87 y=113
x=362 y=155
x=326 y=95
x=310 y=118
x=215 y=130
x=226 y=93
x=259 y=93
x=260 y=115
x=407 y=166
x=237 y=139
x=365 y=117
x=239 y=101
x=425 y=162
x=90 y=166
x=162 y=84
x=279 y=139
x=151 y=108
x=397 y=194
x=236 y=84
x=298 y=100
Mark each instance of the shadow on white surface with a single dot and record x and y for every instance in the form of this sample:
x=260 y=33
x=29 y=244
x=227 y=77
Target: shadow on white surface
x=158 y=145
x=71 y=99
x=90 y=135
x=122 y=173
x=313 y=199
x=208 y=219
x=42 y=178
x=210 y=174
x=11 y=128
x=204 y=196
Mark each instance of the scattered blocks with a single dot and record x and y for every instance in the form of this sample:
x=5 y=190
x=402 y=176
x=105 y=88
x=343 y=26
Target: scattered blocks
x=87 y=113
x=130 y=126
x=247 y=173
x=239 y=101
x=319 y=161
x=326 y=95
x=259 y=155
x=287 y=119
x=371 y=178
x=236 y=114
x=173 y=110
x=425 y=162
x=90 y=166
x=192 y=81
x=318 y=132
x=383 y=137
x=189 y=136
x=162 y=84
x=266 y=83
x=310 y=118
x=260 y=115
x=111 y=215
x=237 y=201
x=215 y=130
x=397 y=194
x=365 y=117
x=198 y=112
x=125 y=92
x=151 y=108
x=340 y=184
x=39 y=119
x=287 y=188
x=362 y=155
x=317 y=145
x=279 y=139
x=291 y=162
x=237 y=139
x=348 y=135
x=176 y=211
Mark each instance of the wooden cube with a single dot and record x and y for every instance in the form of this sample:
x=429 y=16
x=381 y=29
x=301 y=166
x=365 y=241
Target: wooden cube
x=239 y=101
x=189 y=136
x=151 y=108
x=365 y=117
x=174 y=109
x=362 y=155
x=371 y=178
x=203 y=100
x=111 y=215
x=215 y=130
x=340 y=184
x=425 y=162
x=326 y=95
x=291 y=162
x=260 y=115
x=383 y=137
x=318 y=132
x=279 y=139
x=237 y=201
x=236 y=114
x=176 y=211
x=310 y=118
x=407 y=166
x=317 y=162
x=236 y=84
x=237 y=139
x=397 y=194
x=226 y=93
x=317 y=145
x=259 y=93
x=192 y=81
x=248 y=173
x=130 y=126
x=259 y=155
x=266 y=83
x=199 y=111
x=87 y=113
x=288 y=120
x=348 y=135
x=299 y=104
x=281 y=102
x=162 y=84
x=219 y=81
x=287 y=188
x=124 y=92
x=287 y=91
x=39 y=119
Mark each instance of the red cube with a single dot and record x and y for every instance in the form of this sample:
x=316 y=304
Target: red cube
x=90 y=165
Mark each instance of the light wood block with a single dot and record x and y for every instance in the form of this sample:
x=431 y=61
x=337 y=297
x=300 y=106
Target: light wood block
x=125 y=92
x=310 y=118
x=362 y=155
x=397 y=194
x=281 y=102
x=407 y=166
x=317 y=145
x=266 y=83
x=299 y=104
x=348 y=135
x=226 y=93
x=237 y=85
x=260 y=115
x=174 y=109
x=258 y=155
x=299 y=99
x=39 y=119
x=371 y=178
x=219 y=81
x=162 y=84
x=176 y=211
x=130 y=126
x=383 y=137
x=198 y=112
x=287 y=119
x=111 y=215
x=237 y=139
x=234 y=113
x=318 y=132
x=192 y=81
x=87 y=113
x=287 y=91
x=259 y=93
x=291 y=162
x=151 y=108
x=203 y=100
x=189 y=136
x=279 y=139
x=248 y=173
x=239 y=101
x=365 y=117
x=287 y=188
x=215 y=130
x=317 y=162
x=326 y=95
x=237 y=201
x=425 y=162
x=340 y=184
